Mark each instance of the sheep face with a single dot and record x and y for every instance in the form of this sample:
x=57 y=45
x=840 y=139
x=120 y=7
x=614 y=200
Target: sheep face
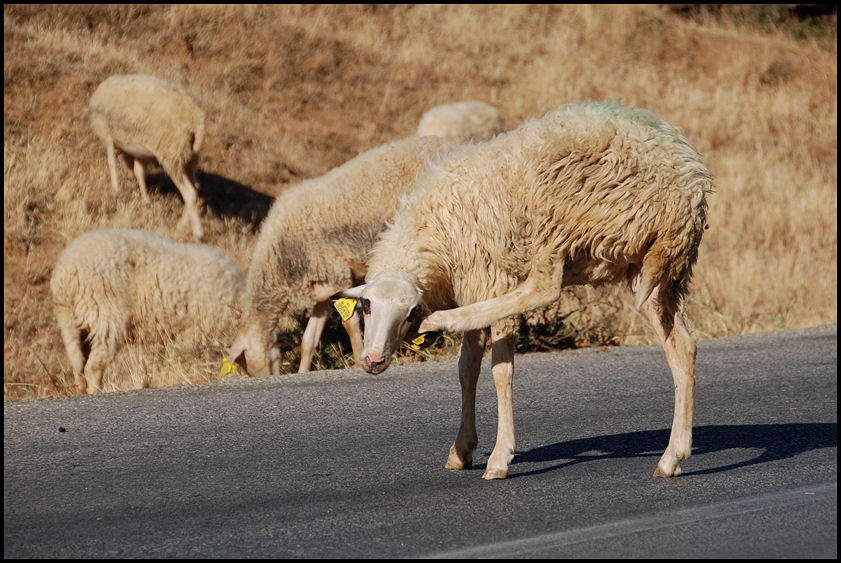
x=257 y=350
x=390 y=305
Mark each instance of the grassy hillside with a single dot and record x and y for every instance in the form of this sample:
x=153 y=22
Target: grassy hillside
x=293 y=91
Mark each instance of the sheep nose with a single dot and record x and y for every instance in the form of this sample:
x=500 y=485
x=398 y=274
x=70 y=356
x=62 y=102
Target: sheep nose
x=373 y=363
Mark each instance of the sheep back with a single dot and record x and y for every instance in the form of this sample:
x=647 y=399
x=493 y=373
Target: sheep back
x=462 y=121
x=145 y=112
x=321 y=230
x=593 y=184
x=111 y=281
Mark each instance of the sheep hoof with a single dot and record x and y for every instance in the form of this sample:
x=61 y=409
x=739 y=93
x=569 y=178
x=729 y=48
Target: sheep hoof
x=456 y=462
x=660 y=472
x=495 y=474
x=429 y=324
x=456 y=465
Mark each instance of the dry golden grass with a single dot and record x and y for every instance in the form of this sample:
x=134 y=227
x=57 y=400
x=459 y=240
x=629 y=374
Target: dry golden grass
x=293 y=91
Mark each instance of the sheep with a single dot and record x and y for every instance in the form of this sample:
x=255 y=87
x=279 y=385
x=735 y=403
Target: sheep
x=109 y=284
x=314 y=242
x=591 y=193
x=462 y=121
x=142 y=118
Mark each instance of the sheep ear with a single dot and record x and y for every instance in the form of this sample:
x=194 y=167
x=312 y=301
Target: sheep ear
x=419 y=340
x=425 y=310
x=419 y=313
x=346 y=302
x=352 y=293
x=237 y=353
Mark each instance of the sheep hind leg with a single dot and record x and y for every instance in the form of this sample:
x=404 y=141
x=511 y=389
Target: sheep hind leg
x=312 y=334
x=190 y=193
x=76 y=352
x=72 y=337
x=469 y=365
x=542 y=288
x=111 y=150
x=667 y=320
x=98 y=360
x=502 y=360
x=140 y=174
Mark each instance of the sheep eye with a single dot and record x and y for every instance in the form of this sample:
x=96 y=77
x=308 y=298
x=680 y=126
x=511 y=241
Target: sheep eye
x=413 y=314
x=366 y=306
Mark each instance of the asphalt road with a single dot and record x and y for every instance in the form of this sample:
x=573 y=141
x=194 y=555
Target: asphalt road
x=344 y=464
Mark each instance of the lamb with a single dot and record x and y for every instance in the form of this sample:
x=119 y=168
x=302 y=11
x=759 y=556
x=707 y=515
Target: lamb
x=109 y=284
x=314 y=242
x=143 y=118
x=462 y=121
x=589 y=194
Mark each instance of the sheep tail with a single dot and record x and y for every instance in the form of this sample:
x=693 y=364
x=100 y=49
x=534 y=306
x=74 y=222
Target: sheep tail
x=666 y=265
x=197 y=138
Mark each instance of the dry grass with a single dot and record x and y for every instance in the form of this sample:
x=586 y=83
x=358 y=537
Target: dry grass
x=293 y=91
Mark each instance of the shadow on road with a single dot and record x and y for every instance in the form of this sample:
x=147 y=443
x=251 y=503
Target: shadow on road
x=778 y=441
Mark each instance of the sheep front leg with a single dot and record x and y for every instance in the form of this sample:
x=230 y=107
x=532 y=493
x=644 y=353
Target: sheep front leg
x=680 y=354
x=542 y=288
x=502 y=361
x=312 y=334
x=469 y=365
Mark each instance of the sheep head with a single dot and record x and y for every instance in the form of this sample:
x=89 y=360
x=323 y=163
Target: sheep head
x=391 y=304
x=257 y=349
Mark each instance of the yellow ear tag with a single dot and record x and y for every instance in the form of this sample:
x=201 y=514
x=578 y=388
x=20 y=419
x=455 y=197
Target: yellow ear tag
x=421 y=340
x=345 y=306
x=227 y=367
x=418 y=341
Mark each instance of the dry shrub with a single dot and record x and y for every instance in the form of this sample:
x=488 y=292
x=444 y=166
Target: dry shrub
x=292 y=91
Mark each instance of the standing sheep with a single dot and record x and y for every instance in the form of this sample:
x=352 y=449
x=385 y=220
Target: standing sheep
x=110 y=283
x=462 y=121
x=588 y=194
x=314 y=242
x=143 y=118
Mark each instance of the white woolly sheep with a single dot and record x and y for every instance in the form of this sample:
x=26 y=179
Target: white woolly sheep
x=462 y=121
x=109 y=284
x=143 y=118
x=314 y=242
x=588 y=194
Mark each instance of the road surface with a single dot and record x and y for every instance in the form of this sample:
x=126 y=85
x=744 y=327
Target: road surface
x=345 y=464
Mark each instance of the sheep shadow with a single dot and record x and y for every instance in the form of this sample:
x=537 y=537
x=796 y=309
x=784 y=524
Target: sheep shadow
x=222 y=197
x=777 y=441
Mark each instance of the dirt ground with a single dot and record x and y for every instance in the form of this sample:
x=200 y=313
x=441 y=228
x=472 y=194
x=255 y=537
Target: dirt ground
x=292 y=91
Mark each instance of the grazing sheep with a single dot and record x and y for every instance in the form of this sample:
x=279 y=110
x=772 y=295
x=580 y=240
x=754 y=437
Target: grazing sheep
x=462 y=121
x=109 y=284
x=588 y=194
x=143 y=118
x=314 y=242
